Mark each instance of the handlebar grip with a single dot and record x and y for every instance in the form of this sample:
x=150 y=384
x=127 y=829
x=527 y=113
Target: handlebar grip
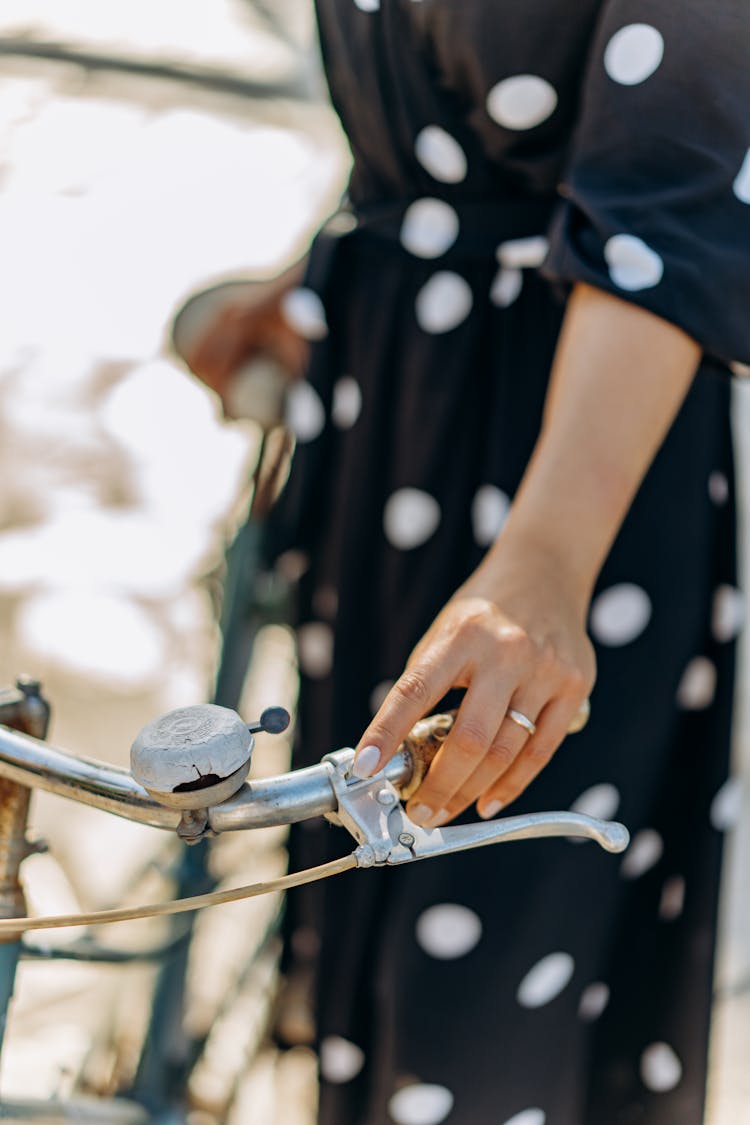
x=421 y=745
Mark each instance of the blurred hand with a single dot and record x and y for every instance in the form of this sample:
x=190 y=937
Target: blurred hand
x=516 y=641
x=241 y=333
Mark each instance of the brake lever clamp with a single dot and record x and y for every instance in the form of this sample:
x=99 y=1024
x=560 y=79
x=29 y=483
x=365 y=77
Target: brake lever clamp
x=372 y=812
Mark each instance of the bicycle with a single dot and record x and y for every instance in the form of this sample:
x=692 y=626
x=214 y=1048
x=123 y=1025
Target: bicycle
x=188 y=775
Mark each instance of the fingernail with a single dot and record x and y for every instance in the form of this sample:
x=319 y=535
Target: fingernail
x=366 y=762
x=420 y=814
x=492 y=808
x=440 y=817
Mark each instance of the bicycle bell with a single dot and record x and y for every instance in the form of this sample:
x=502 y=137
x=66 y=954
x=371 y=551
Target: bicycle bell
x=198 y=756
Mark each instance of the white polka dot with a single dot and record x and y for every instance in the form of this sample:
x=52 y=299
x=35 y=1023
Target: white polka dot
x=325 y=602
x=489 y=510
x=620 y=614
x=523 y=253
x=672 y=898
x=594 y=1000
x=661 y=1070
x=644 y=852
x=632 y=264
x=521 y=102
x=633 y=54
x=742 y=183
x=443 y=302
x=718 y=488
x=440 y=154
x=347 y=402
x=697 y=687
x=410 y=518
x=726 y=806
x=315 y=646
x=292 y=564
x=304 y=412
x=429 y=228
x=378 y=694
x=448 y=931
x=545 y=980
x=340 y=1060
x=601 y=801
x=303 y=310
x=527 y=1117
x=420 y=1104
x=367 y=5
x=506 y=287
x=728 y=613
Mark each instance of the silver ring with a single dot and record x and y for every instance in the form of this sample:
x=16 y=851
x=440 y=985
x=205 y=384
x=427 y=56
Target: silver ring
x=521 y=720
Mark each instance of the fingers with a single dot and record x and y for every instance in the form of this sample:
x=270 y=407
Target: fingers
x=551 y=728
x=469 y=743
x=412 y=696
x=509 y=742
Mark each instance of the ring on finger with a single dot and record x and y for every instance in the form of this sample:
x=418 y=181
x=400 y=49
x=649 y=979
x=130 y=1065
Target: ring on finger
x=521 y=720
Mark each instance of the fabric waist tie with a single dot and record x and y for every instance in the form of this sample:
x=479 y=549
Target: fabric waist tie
x=483 y=224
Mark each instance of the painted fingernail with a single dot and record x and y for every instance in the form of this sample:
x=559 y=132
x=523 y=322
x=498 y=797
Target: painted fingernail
x=492 y=808
x=421 y=814
x=366 y=762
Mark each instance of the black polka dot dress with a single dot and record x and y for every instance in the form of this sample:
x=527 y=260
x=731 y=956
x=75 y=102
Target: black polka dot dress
x=502 y=152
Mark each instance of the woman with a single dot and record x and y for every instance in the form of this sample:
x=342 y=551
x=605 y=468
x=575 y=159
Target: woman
x=609 y=143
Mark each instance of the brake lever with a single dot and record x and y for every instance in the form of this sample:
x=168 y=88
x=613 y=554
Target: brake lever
x=372 y=812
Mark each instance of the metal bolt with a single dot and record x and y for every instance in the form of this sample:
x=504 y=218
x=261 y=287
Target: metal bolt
x=385 y=797
x=407 y=840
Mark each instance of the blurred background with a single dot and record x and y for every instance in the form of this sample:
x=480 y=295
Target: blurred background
x=151 y=150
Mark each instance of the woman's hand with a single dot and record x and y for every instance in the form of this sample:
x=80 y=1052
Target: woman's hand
x=515 y=641
x=240 y=332
x=514 y=634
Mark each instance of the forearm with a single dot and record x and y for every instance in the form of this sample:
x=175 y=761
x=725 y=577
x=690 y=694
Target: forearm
x=619 y=378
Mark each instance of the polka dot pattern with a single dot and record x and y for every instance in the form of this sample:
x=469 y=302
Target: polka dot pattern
x=440 y=154
x=697 y=687
x=304 y=412
x=506 y=287
x=645 y=851
x=594 y=1000
x=340 y=1060
x=304 y=311
x=378 y=694
x=443 y=302
x=531 y=1116
x=661 y=1070
x=420 y=1104
x=728 y=613
x=726 y=806
x=632 y=264
x=523 y=253
x=672 y=898
x=633 y=54
x=410 y=518
x=521 y=102
x=620 y=614
x=489 y=510
x=429 y=228
x=347 y=402
x=448 y=931
x=718 y=488
x=315 y=649
x=741 y=185
x=545 y=980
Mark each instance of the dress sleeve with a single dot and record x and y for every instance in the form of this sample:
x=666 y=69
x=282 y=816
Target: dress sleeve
x=656 y=197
